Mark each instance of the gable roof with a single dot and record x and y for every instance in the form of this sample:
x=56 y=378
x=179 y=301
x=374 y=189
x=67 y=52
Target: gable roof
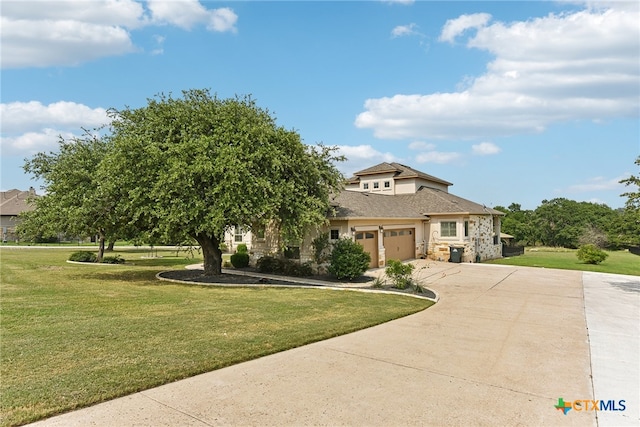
x=13 y=202
x=425 y=202
x=399 y=170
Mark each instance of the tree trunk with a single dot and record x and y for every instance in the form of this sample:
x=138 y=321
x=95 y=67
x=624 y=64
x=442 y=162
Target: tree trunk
x=100 y=247
x=111 y=245
x=211 y=253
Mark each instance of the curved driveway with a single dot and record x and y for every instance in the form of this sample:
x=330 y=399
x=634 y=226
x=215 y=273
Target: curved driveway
x=501 y=346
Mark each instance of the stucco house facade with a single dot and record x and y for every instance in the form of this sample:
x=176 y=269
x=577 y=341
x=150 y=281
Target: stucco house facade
x=397 y=212
x=13 y=203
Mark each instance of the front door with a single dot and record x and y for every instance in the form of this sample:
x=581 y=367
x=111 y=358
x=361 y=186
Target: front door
x=369 y=241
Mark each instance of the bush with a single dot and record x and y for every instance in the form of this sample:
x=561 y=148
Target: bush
x=399 y=273
x=590 y=254
x=223 y=247
x=242 y=249
x=269 y=264
x=83 y=256
x=240 y=260
x=116 y=259
x=348 y=260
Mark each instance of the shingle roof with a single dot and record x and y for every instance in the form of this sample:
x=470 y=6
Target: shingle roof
x=13 y=202
x=399 y=170
x=425 y=202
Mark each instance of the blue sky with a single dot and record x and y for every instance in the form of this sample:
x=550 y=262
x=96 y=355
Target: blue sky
x=512 y=102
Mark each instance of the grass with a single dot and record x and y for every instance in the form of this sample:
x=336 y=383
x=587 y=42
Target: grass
x=618 y=262
x=74 y=335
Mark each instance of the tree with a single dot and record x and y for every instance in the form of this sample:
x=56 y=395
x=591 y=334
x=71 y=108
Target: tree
x=76 y=200
x=197 y=165
x=633 y=197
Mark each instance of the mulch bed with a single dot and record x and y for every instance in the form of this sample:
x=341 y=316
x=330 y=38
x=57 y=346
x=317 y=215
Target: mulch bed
x=197 y=276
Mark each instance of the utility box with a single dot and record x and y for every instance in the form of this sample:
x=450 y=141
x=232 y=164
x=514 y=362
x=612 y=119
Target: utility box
x=455 y=254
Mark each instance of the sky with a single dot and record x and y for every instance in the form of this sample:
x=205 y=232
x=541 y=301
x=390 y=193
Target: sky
x=511 y=101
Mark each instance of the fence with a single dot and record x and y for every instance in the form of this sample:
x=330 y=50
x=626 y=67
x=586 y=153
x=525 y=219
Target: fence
x=634 y=250
x=508 y=251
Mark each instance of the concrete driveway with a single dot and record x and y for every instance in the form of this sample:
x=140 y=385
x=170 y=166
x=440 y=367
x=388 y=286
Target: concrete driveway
x=500 y=348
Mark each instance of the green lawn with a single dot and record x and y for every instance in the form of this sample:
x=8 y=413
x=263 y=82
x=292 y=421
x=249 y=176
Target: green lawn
x=618 y=262
x=74 y=335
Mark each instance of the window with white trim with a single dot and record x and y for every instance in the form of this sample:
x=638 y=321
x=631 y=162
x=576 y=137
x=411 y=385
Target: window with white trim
x=448 y=229
x=334 y=234
x=376 y=184
x=238 y=236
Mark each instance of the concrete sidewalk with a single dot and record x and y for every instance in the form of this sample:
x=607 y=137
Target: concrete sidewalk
x=499 y=348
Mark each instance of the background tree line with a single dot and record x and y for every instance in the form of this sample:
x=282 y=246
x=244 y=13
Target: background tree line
x=570 y=224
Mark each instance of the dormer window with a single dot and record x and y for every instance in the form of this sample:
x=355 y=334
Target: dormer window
x=376 y=185
x=387 y=184
x=365 y=186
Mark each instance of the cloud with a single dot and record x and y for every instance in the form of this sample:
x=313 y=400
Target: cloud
x=30 y=127
x=485 y=148
x=438 y=157
x=405 y=30
x=419 y=145
x=558 y=68
x=597 y=183
x=402 y=2
x=455 y=27
x=360 y=157
x=188 y=13
x=71 y=32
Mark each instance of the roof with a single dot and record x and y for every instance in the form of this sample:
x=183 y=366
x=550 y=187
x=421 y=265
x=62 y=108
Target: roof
x=425 y=202
x=399 y=170
x=14 y=202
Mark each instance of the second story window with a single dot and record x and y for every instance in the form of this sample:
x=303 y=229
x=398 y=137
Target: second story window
x=365 y=186
x=376 y=185
x=387 y=184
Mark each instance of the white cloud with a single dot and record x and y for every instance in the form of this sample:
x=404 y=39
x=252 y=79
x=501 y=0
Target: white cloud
x=558 y=68
x=188 y=13
x=360 y=157
x=455 y=27
x=24 y=116
x=405 y=30
x=403 y=2
x=439 y=157
x=419 y=145
x=597 y=183
x=30 y=143
x=485 y=148
x=31 y=127
x=60 y=33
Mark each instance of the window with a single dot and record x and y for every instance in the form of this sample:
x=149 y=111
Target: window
x=238 y=234
x=376 y=185
x=334 y=234
x=466 y=229
x=365 y=186
x=387 y=184
x=259 y=231
x=448 y=229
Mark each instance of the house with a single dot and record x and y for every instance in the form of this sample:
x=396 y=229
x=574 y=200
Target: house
x=397 y=212
x=12 y=203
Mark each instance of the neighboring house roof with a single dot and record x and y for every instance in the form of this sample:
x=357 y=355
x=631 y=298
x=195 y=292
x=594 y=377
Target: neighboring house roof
x=14 y=202
x=425 y=202
x=399 y=170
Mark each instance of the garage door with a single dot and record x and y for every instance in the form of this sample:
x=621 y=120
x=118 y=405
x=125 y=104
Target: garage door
x=369 y=241
x=400 y=244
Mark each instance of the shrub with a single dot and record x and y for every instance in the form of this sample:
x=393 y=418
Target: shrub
x=240 y=260
x=399 y=273
x=348 y=260
x=83 y=256
x=116 y=259
x=269 y=264
x=590 y=254
x=242 y=249
x=292 y=268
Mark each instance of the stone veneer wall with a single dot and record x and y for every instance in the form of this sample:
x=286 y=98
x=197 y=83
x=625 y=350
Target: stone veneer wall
x=479 y=242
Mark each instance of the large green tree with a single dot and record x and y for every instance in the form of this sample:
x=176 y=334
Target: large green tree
x=76 y=201
x=630 y=224
x=197 y=165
